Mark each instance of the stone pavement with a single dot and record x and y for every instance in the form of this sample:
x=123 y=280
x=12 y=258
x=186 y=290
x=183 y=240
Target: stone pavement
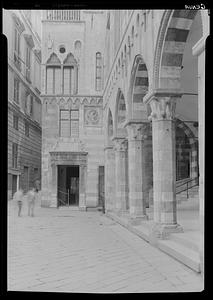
x=86 y=252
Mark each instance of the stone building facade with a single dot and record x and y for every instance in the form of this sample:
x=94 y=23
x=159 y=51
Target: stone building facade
x=22 y=30
x=72 y=108
x=123 y=112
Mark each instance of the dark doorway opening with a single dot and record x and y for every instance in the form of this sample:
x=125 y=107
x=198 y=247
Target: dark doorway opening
x=68 y=185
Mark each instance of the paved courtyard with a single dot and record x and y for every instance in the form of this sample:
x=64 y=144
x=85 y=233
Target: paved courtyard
x=71 y=251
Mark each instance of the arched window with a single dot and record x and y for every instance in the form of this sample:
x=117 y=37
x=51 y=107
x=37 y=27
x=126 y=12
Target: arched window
x=70 y=75
x=98 y=73
x=53 y=75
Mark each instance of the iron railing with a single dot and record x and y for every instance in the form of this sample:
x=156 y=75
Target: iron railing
x=186 y=186
x=62 y=201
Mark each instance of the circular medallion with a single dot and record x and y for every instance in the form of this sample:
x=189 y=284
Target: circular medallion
x=92 y=116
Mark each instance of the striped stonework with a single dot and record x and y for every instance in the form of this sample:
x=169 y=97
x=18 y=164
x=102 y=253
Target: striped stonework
x=138 y=88
x=193 y=145
x=171 y=45
x=121 y=115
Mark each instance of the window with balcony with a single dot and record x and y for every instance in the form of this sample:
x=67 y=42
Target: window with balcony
x=69 y=123
x=98 y=75
x=14 y=155
x=16 y=90
x=17 y=48
x=28 y=62
x=26 y=129
x=15 y=121
x=31 y=105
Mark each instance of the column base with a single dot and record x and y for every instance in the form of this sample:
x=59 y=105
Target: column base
x=121 y=212
x=162 y=231
x=137 y=220
x=82 y=208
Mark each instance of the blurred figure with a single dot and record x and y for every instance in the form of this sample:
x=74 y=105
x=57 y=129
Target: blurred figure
x=37 y=185
x=31 y=195
x=18 y=196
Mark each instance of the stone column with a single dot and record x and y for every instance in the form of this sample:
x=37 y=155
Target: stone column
x=121 y=190
x=137 y=181
x=109 y=185
x=199 y=51
x=82 y=187
x=164 y=165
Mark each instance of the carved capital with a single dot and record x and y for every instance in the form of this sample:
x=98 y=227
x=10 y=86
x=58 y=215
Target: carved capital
x=120 y=144
x=163 y=108
x=137 y=131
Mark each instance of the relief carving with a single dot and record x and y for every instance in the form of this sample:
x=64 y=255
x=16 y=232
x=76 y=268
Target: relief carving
x=92 y=116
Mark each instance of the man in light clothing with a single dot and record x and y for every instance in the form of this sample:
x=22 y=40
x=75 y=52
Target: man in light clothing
x=31 y=202
x=18 y=196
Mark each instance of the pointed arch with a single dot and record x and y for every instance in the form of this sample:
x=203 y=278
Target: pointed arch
x=173 y=33
x=70 y=59
x=120 y=115
x=53 y=59
x=138 y=87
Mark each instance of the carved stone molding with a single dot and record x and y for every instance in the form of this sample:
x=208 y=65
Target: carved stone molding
x=76 y=100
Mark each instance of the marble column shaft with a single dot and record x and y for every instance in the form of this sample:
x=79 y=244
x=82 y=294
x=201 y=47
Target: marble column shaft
x=121 y=190
x=137 y=195
x=109 y=178
x=164 y=163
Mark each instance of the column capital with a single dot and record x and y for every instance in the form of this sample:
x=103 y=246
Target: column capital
x=163 y=108
x=120 y=144
x=162 y=103
x=137 y=130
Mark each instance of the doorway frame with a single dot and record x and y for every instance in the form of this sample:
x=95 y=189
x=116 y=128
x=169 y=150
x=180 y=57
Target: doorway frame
x=70 y=159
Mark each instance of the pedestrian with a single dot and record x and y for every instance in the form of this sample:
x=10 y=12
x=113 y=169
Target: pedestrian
x=18 y=196
x=31 y=196
x=37 y=185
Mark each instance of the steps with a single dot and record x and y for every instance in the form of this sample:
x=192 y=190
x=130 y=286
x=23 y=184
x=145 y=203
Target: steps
x=181 y=252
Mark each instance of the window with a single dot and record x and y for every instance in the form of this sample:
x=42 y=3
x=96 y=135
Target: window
x=70 y=75
x=69 y=123
x=31 y=105
x=15 y=122
x=14 y=155
x=28 y=54
x=26 y=129
x=98 y=82
x=53 y=80
x=16 y=90
x=68 y=78
x=17 y=48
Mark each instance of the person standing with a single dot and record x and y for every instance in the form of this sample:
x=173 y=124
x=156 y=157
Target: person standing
x=31 y=195
x=18 y=196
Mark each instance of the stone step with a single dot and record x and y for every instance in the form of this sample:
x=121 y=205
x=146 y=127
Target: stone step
x=182 y=253
x=96 y=208
x=74 y=207
x=185 y=240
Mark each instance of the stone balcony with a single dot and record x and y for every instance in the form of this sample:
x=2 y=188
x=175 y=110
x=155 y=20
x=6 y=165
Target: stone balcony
x=62 y=15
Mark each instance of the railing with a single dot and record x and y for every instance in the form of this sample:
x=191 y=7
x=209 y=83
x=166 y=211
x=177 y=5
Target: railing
x=62 y=201
x=186 y=185
x=63 y=15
